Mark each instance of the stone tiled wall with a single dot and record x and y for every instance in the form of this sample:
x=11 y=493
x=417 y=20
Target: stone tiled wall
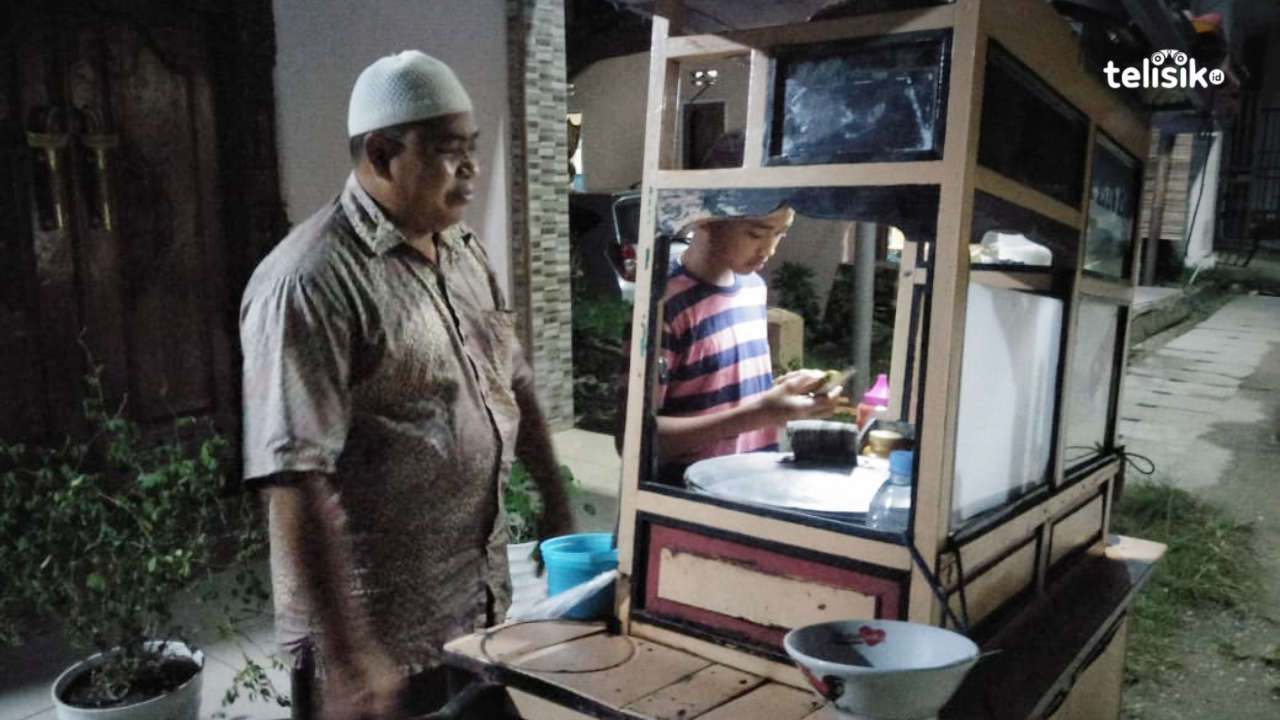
x=540 y=199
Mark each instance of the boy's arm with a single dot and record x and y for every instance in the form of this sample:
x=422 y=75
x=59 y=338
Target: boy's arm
x=789 y=399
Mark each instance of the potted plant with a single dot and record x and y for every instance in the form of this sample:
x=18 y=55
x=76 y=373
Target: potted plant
x=100 y=534
x=523 y=506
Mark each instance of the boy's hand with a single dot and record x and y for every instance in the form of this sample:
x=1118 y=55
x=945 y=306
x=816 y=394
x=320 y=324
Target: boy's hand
x=793 y=397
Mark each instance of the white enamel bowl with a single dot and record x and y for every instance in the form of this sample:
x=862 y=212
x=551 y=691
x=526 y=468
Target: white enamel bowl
x=882 y=669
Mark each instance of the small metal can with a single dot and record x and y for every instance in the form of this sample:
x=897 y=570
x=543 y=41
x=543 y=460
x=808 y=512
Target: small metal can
x=882 y=442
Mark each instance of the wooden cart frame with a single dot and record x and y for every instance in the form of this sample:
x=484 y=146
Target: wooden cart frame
x=1013 y=555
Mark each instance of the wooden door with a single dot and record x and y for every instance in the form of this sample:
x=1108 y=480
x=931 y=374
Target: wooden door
x=117 y=168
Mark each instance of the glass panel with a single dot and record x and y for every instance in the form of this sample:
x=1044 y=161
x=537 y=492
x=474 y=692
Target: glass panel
x=712 y=17
x=997 y=248
x=711 y=112
x=1113 y=203
x=1030 y=134
x=824 y=298
x=881 y=99
x=1006 y=234
x=1090 y=386
x=1004 y=429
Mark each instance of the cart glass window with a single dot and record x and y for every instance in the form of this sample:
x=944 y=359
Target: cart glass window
x=1006 y=236
x=1029 y=133
x=1113 y=203
x=881 y=99
x=1004 y=426
x=1090 y=388
x=827 y=299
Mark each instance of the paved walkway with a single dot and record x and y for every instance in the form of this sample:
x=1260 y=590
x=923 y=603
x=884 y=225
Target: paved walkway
x=1206 y=409
x=1177 y=398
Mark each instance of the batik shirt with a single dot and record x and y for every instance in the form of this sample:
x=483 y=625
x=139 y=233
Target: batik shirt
x=365 y=361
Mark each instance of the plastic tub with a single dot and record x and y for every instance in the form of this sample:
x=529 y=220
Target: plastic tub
x=574 y=559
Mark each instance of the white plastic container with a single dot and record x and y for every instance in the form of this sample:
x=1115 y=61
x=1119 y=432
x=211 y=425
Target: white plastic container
x=526 y=587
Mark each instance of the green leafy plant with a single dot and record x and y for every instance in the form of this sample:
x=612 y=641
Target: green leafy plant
x=524 y=504
x=101 y=533
x=792 y=288
x=599 y=329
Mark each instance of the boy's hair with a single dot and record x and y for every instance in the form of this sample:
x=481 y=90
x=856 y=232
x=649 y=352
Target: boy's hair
x=714 y=225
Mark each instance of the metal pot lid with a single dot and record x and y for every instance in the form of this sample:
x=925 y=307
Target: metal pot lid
x=773 y=478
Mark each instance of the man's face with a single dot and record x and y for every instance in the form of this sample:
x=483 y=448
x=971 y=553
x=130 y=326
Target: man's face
x=434 y=176
x=745 y=245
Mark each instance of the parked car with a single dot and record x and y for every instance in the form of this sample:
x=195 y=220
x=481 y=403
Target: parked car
x=604 y=229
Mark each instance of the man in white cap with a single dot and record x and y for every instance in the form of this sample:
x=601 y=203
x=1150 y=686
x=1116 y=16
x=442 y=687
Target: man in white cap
x=385 y=398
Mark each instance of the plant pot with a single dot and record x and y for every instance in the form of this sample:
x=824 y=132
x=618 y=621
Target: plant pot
x=182 y=703
x=526 y=587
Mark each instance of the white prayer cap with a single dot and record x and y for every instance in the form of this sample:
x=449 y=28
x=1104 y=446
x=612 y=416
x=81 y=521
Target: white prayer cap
x=404 y=88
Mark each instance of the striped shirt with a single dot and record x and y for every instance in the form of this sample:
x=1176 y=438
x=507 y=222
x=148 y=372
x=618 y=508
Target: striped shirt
x=715 y=341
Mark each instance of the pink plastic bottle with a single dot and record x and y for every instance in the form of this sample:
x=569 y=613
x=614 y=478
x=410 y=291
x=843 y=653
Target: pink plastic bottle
x=875 y=400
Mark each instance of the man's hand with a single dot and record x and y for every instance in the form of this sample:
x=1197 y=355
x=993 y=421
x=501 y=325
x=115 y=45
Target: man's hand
x=556 y=520
x=367 y=686
x=792 y=398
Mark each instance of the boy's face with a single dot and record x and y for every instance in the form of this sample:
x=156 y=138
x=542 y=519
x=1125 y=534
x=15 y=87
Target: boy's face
x=745 y=245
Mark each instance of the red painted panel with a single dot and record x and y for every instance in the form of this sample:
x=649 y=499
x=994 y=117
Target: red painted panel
x=887 y=592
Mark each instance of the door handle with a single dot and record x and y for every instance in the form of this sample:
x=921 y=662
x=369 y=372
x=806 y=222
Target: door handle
x=98 y=144
x=50 y=204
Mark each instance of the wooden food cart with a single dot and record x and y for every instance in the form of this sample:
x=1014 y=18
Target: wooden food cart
x=1008 y=367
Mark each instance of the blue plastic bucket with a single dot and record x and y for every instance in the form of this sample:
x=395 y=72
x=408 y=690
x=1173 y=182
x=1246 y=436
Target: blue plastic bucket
x=574 y=559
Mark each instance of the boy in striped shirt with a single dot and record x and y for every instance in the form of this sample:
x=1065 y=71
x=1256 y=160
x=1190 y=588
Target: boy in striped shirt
x=717 y=395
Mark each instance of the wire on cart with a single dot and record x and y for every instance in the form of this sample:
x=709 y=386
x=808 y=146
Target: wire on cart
x=954 y=548
x=1146 y=467
x=484 y=649
x=934 y=585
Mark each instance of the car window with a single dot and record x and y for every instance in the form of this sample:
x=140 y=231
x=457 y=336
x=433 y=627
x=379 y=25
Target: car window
x=582 y=219
x=626 y=214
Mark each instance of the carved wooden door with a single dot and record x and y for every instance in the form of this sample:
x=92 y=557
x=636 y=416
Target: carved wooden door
x=112 y=222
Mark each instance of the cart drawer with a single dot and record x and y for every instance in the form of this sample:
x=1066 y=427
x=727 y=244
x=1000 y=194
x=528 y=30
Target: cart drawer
x=738 y=589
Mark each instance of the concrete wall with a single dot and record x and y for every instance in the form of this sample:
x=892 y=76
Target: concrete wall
x=819 y=245
x=540 y=200
x=322 y=45
x=611 y=95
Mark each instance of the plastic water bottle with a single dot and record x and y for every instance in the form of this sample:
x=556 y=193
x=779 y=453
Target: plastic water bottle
x=890 y=509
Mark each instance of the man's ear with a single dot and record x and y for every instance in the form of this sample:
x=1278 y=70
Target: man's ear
x=379 y=151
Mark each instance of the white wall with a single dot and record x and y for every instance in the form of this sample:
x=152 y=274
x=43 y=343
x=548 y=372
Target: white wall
x=1202 y=200
x=322 y=45
x=611 y=95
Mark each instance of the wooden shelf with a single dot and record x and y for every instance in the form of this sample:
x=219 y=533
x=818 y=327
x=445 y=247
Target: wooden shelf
x=1042 y=649
x=743 y=41
x=993 y=183
x=923 y=172
x=743 y=522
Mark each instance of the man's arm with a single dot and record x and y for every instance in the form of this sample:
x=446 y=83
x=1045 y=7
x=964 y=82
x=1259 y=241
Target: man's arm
x=533 y=447
x=789 y=399
x=311 y=548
